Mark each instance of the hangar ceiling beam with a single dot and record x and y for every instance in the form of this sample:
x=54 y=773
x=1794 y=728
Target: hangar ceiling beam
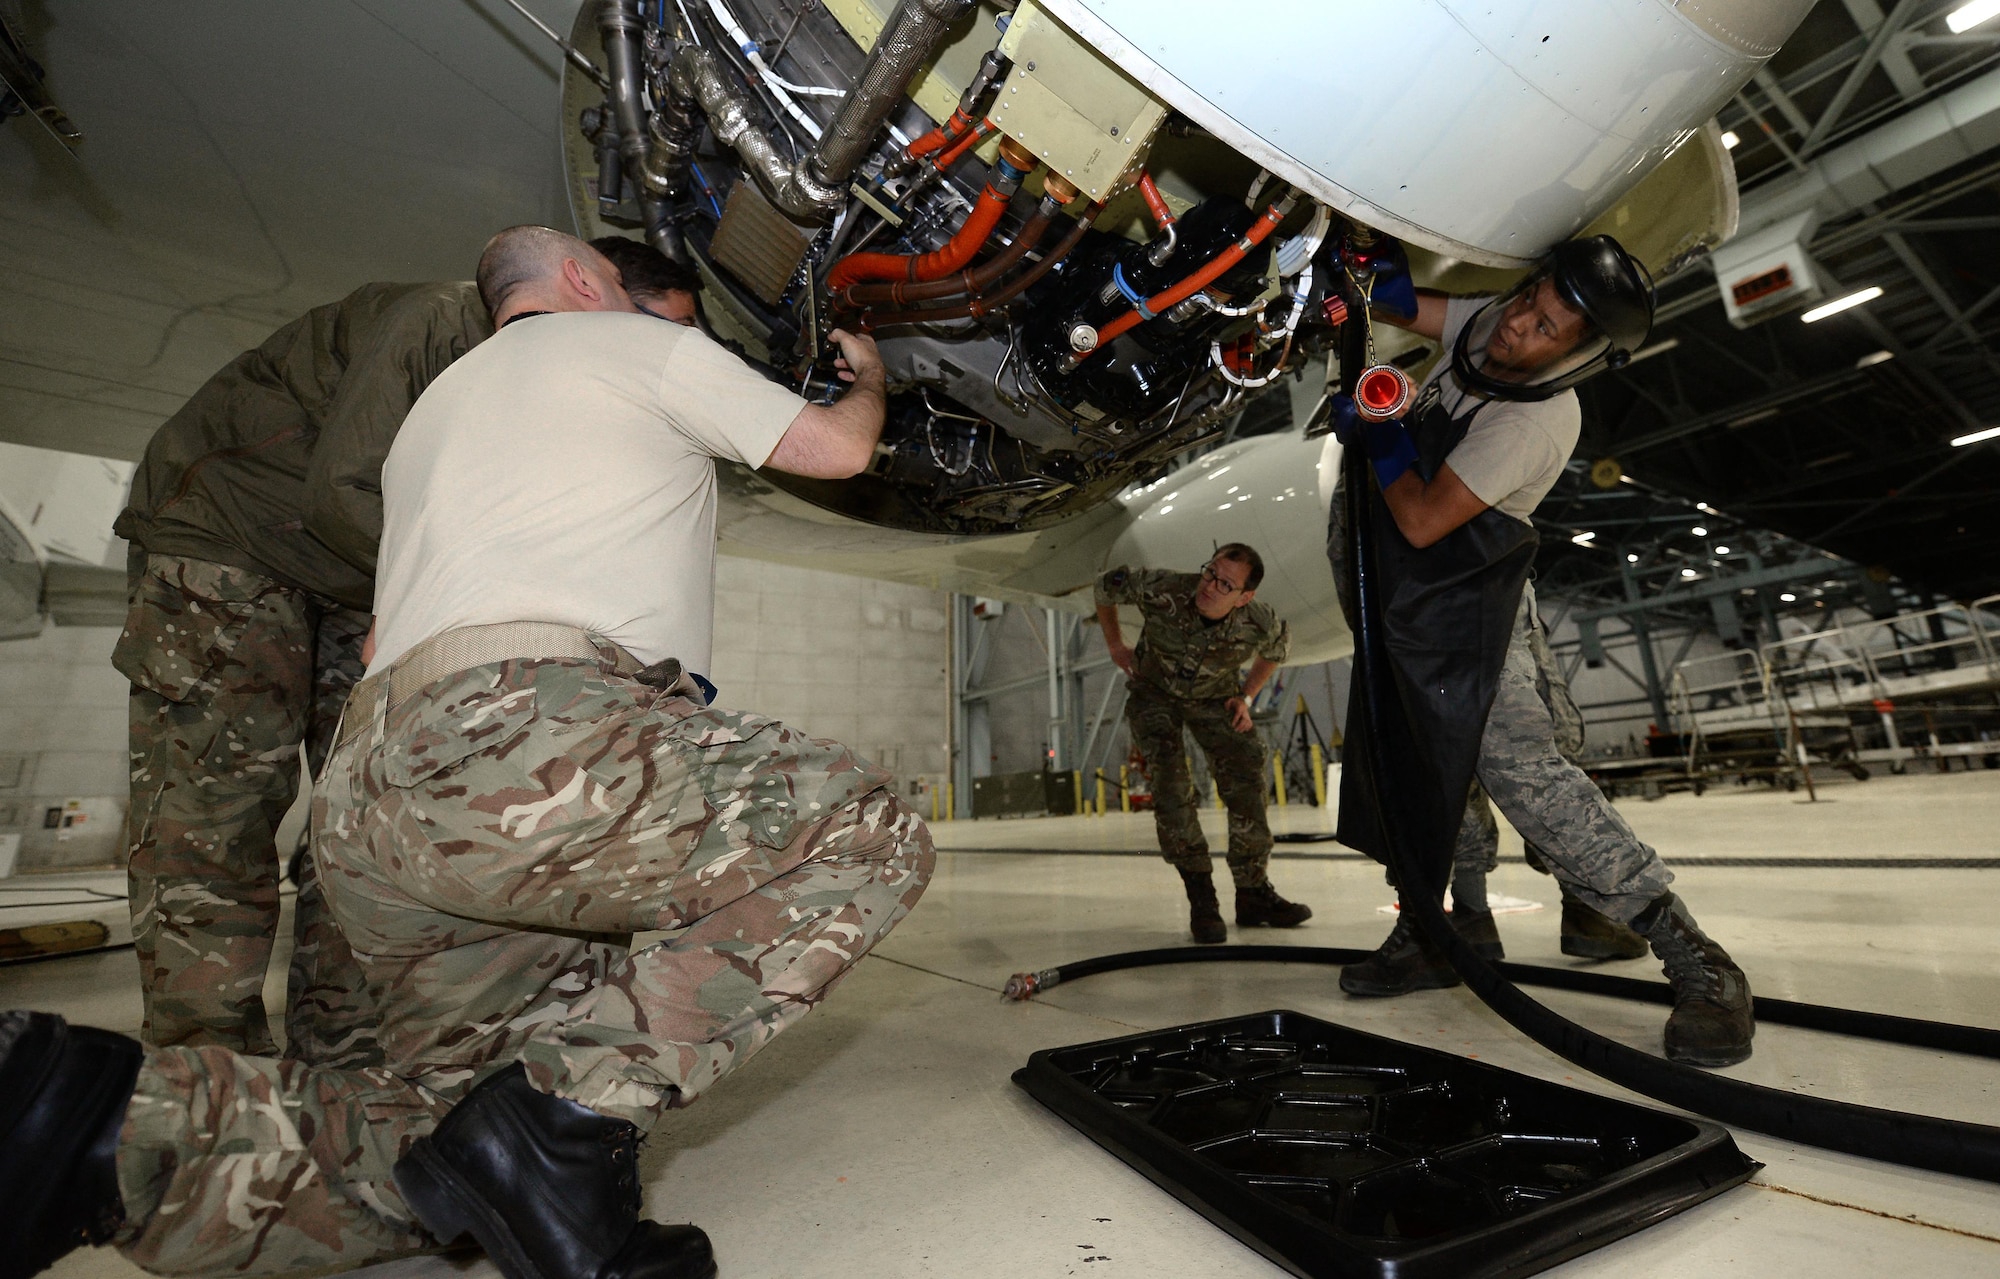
x=1878 y=45
x=1920 y=143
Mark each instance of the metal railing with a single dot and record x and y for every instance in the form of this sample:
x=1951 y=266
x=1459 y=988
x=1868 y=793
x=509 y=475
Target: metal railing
x=1950 y=647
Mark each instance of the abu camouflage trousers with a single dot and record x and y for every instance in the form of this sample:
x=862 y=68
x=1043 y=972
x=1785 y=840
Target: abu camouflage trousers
x=1554 y=805
x=1237 y=761
x=488 y=845
x=232 y=673
x=1478 y=848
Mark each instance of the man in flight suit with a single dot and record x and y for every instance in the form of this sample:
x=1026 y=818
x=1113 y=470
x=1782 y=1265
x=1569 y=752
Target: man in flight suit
x=1199 y=630
x=1459 y=474
x=527 y=775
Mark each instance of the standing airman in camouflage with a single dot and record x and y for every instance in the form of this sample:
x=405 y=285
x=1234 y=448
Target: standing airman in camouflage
x=1186 y=673
x=528 y=775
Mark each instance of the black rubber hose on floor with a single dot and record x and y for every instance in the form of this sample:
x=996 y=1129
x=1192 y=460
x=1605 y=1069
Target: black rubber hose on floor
x=1918 y=1141
x=1909 y=1032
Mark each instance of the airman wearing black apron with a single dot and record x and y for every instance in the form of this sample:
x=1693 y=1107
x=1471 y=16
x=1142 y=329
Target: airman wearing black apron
x=1459 y=474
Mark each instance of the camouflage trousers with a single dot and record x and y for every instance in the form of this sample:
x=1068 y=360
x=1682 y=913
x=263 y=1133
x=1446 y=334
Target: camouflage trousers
x=231 y=674
x=488 y=845
x=1238 y=763
x=1478 y=848
x=1554 y=805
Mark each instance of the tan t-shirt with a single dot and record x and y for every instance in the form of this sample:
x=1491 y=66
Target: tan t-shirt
x=563 y=471
x=1515 y=450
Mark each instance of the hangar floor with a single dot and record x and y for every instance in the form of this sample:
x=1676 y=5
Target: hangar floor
x=882 y=1138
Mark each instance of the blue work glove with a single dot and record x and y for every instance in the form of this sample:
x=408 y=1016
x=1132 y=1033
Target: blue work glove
x=1395 y=292
x=1391 y=449
x=1347 y=423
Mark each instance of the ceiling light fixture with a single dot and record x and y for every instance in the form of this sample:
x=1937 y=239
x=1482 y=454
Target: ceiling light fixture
x=1789 y=598
x=1729 y=139
x=1722 y=550
x=1975 y=437
x=1687 y=572
x=1584 y=538
x=1874 y=358
x=1631 y=559
x=1838 y=305
x=1967 y=16
x=1699 y=531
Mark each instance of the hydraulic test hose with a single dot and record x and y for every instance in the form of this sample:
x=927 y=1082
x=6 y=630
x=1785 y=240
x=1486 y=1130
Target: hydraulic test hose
x=1916 y=1141
x=1908 y=1032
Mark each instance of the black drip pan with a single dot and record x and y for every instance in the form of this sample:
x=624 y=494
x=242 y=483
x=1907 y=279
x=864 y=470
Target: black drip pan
x=1343 y=1155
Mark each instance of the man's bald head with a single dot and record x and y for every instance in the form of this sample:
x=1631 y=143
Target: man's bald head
x=534 y=268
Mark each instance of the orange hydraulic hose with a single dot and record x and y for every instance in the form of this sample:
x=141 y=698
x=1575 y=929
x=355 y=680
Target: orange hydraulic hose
x=972 y=233
x=1200 y=279
x=1015 y=163
x=986 y=305
x=973 y=281
x=1155 y=202
x=937 y=138
x=964 y=144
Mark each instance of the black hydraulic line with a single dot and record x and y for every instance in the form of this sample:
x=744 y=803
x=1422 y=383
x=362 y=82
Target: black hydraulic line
x=1918 y=1141
x=1909 y=1032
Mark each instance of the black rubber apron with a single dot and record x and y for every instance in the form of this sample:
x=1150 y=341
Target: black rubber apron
x=1448 y=615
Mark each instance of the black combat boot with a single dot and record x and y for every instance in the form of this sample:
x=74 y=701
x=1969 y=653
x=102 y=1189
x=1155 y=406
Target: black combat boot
x=1588 y=934
x=1399 y=965
x=1204 y=912
x=1712 y=1021
x=1259 y=906
x=1480 y=933
x=63 y=1093
x=549 y=1188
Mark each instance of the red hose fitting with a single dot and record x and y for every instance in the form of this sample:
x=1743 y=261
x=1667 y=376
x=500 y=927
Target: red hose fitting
x=1382 y=391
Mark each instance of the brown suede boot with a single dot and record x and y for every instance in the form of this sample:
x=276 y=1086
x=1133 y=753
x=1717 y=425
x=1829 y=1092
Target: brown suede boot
x=1590 y=935
x=1204 y=911
x=1712 y=1021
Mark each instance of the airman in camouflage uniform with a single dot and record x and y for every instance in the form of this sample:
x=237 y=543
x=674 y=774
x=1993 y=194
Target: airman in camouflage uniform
x=488 y=846
x=1199 y=630
x=253 y=521
x=1586 y=930
x=508 y=803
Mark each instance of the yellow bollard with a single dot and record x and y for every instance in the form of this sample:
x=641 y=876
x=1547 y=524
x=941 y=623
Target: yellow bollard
x=1076 y=788
x=950 y=806
x=1215 y=791
x=1100 y=792
x=1124 y=792
x=934 y=803
x=1319 y=774
x=1278 y=774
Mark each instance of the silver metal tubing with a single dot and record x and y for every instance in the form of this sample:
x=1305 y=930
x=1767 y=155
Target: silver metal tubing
x=914 y=33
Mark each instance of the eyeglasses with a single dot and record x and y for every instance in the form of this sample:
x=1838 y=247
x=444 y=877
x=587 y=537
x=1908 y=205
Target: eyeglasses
x=1208 y=574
